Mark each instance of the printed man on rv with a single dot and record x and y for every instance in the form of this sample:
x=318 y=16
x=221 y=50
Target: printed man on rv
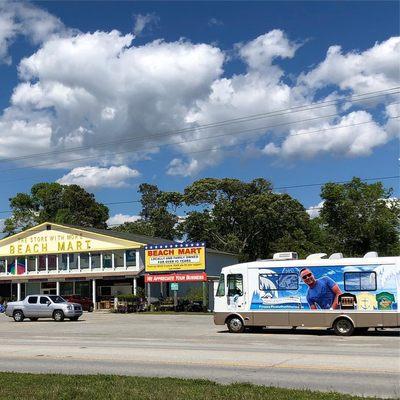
x=322 y=293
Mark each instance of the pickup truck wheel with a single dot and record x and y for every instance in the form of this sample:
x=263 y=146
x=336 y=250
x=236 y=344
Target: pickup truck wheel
x=18 y=316
x=33 y=319
x=58 y=316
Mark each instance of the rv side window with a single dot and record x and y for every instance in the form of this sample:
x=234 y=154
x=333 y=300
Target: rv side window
x=221 y=286
x=235 y=285
x=358 y=281
x=286 y=281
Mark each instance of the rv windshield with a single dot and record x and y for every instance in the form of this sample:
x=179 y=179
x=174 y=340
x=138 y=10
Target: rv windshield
x=221 y=286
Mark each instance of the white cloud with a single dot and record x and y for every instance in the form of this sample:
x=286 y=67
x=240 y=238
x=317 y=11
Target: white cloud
x=314 y=211
x=119 y=219
x=260 y=52
x=392 y=202
x=94 y=177
x=22 y=18
x=392 y=125
x=376 y=68
x=84 y=89
x=96 y=88
x=142 y=21
x=355 y=134
x=179 y=167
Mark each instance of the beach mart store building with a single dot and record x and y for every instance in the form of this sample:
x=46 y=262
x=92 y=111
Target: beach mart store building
x=63 y=259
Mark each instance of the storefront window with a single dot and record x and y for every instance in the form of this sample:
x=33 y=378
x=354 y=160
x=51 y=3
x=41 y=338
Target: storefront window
x=66 y=288
x=3 y=266
x=42 y=263
x=63 y=262
x=52 y=262
x=10 y=265
x=31 y=264
x=84 y=260
x=107 y=260
x=73 y=262
x=49 y=288
x=21 y=265
x=96 y=261
x=82 y=288
x=130 y=258
x=119 y=258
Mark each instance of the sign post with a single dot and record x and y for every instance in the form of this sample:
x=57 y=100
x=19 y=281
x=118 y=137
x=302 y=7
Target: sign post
x=174 y=287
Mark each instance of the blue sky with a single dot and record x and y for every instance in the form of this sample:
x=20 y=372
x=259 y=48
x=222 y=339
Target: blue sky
x=74 y=75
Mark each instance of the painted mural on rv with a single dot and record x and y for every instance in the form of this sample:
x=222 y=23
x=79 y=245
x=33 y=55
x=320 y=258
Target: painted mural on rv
x=367 y=288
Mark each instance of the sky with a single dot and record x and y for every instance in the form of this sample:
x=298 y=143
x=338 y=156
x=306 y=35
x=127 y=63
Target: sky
x=108 y=95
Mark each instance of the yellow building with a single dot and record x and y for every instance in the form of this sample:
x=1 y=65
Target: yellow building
x=62 y=259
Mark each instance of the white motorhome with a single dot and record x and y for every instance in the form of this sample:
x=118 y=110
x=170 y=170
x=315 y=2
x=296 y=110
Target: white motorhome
x=346 y=294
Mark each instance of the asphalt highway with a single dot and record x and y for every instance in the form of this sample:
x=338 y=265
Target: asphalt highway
x=190 y=346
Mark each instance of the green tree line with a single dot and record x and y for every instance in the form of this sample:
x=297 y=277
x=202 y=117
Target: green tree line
x=245 y=218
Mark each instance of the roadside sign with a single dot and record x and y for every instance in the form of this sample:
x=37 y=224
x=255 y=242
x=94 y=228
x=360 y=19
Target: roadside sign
x=175 y=257
x=178 y=277
x=174 y=286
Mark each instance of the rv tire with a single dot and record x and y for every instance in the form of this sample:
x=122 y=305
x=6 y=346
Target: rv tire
x=235 y=324
x=343 y=327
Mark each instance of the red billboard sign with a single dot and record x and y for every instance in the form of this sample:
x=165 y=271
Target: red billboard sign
x=189 y=277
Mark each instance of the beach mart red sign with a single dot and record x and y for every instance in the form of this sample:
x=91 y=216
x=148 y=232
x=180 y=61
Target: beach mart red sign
x=189 y=277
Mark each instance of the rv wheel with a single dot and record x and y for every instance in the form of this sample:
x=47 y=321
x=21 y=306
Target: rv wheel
x=235 y=325
x=343 y=327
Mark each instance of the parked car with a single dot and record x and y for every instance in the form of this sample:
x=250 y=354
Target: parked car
x=40 y=306
x=85 y=302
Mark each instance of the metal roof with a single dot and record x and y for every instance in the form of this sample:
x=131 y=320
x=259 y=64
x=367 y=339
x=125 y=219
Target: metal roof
x=146 y=240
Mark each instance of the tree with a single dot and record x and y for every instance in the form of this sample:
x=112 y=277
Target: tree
x=156 y=217
x=139 y=227
x=68 y=204
x=361 y=217
x=246 y=218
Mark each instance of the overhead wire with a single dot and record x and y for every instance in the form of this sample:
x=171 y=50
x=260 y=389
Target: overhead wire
x=282 y=112
x=263 y=128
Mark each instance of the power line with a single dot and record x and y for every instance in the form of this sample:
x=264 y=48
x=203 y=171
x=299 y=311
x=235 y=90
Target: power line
x=282 y=112
x=227 y=146
x=264 y=128
x=381 y=178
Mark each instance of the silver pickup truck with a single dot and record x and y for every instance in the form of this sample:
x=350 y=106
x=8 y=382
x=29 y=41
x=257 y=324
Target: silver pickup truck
x=40 y=306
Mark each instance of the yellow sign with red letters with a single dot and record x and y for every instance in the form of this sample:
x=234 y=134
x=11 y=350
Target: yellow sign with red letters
x=175 y=257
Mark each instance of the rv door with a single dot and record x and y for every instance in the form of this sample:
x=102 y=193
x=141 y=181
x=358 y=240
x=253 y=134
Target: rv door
x=235 y=295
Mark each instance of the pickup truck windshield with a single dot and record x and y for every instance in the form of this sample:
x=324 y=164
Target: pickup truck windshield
x=57 y=299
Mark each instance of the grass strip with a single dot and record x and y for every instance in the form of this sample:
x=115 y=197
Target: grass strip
x=18 y=386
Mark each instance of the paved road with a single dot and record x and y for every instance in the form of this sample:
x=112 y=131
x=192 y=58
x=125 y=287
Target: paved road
x=191 y=346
